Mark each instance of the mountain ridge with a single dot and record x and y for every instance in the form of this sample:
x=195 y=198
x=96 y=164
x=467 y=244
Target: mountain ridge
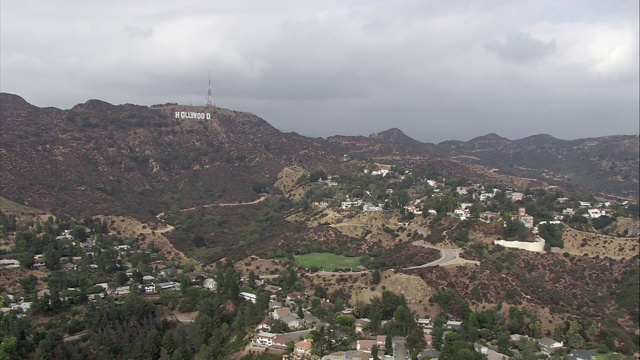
x=99 y=156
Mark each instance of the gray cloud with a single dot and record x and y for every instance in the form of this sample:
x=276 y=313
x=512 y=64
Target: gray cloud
x=435 y=70
x=522 y=47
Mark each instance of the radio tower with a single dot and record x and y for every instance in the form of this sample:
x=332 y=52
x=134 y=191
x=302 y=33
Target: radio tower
x=209 y=91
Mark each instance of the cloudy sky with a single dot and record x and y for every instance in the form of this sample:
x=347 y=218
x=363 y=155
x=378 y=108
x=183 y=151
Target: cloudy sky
x=438 y=70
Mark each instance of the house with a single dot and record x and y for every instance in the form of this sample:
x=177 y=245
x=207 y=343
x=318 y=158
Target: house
x=371 y=207
x=169 y=285
x=279 y=342
x=489 y=216
x=424 y=323
x=210 y=284
x=584 y=203
x=489 y=353
x=265 y=325
x=517 y=196
x=280 y=313
x=366 y=345
x=453 y=325
x=580 y=354
x=9 y=264
x=485 y=196
x=296 y=295
x=412 y=209
x=249 y=296
x=347 y=355
x=568 y=211
x=432 y=212
x=463 y=214
x=263 y=338
x=148 y=288
x=522 y=216
x=273 y=289
x=293 y=322
x=548 y=346
x=462 y=190
x=562 y=200
x=321 y=204
x=121 y=291
x=349 y=204
x=303 y=348
x=68 y=267
x=596 y=213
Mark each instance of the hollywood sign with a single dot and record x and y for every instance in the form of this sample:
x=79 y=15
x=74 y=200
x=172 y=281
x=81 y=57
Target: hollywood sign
x=192 y=115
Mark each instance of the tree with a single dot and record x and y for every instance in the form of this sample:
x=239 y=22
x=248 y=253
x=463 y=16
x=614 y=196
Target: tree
x=374 y=352
x=438 y=332
x=51 y=258
x=300 y=313
x=375 y=277
x=415 y=340
x=388 y=345
x=574 y=338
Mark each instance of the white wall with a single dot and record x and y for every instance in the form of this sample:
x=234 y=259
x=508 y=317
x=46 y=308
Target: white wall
x=537 y=246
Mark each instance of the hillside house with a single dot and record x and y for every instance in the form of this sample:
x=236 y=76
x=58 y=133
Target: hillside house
x=121 y=291
x=596 y=213
x=293 y=322
x=453 y=325
x=371 y=207
x=263 y=338
x=424 y=323
x=562 y=200
x=169 y=285
x=516 y=196
x=548 y=346
x=489 y=216
x=350 y=204
x=303 y=348
x=522 y=216
x=366 y=345
x=486 y=196
x=280 y=313
x=249 y=297
x=412 y=209
x=568 y=211
x=210 y=284
x=265 y=325
x=294 y=296
x=147 y=288
x=584 y=203
x=273 y=289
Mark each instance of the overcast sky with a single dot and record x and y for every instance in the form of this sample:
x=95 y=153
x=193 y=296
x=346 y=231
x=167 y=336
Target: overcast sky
x=438 y=70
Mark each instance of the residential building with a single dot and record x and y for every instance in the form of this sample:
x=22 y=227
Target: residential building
x=548 y=346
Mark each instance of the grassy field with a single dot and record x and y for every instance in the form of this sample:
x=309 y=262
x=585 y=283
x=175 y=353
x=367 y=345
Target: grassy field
x=327 y=261
x=6 y=204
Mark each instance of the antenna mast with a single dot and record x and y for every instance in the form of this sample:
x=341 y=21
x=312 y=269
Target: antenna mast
x=209 y=91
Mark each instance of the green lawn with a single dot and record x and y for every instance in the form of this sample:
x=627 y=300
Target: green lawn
x=327 y=261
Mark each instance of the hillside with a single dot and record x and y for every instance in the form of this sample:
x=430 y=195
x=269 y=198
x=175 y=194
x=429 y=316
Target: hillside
x=606 y=165
x=98 y=158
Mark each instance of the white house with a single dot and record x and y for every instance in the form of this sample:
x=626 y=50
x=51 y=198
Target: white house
x=371 y=207
x=210 y=284
x=249 y=296
x=596 y=213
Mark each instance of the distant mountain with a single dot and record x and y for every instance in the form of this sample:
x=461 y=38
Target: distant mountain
x=606 y=165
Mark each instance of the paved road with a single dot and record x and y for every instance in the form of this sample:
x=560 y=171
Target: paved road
x=399 y=351
x=446 y=255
